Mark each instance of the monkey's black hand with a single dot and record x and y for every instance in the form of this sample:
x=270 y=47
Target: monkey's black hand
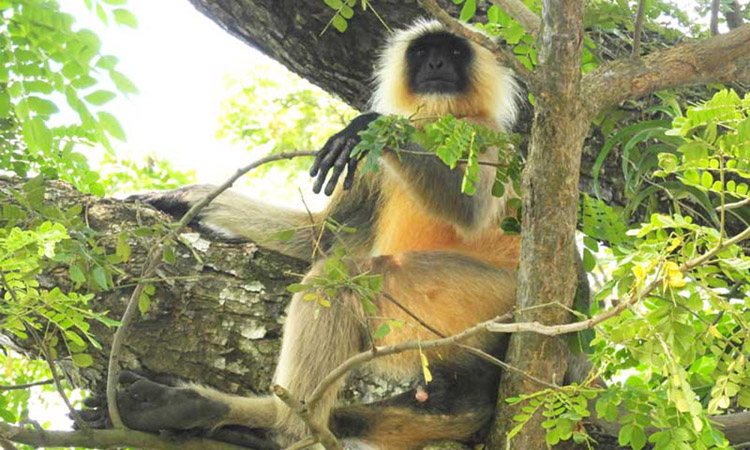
x=336 y=154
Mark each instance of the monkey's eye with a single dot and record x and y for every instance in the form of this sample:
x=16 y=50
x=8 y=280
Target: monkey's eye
x=456 y=52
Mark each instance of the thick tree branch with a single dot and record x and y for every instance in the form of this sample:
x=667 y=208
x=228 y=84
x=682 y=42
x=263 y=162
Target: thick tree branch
x=722 y=58
x=106 y=439
x=521 y=14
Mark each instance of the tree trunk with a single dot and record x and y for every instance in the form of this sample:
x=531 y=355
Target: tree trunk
x=547 y=272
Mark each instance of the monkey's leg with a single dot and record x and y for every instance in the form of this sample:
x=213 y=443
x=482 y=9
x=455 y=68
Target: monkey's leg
x=456 y=405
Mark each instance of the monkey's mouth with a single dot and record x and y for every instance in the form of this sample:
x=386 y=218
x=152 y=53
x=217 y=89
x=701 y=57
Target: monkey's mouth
x=437 y=86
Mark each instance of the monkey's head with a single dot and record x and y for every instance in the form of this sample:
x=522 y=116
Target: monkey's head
x=430 y=71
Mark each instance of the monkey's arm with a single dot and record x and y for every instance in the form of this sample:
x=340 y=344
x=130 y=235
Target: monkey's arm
x=235 y=216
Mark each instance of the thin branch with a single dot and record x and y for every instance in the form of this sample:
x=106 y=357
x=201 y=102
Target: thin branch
x=154 y=261
x=498 y=362
x=106 y=439
x=320 y=432
x=56 y=377
x=555 y=330
x=16 y=387
x=638 y=32
x=735 y=205
x=714 y=27
x=378 y=352
x=502 y=55
x=722 y=58
x=521 y=14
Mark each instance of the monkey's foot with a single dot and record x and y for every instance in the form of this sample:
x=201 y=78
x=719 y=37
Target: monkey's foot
x=146 y=405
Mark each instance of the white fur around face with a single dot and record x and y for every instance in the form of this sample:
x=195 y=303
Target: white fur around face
x=492 y=90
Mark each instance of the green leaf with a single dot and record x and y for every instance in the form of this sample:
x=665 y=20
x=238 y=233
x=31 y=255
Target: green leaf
x=4 y=104
x=144 y=303
x=296 y=287
x=589 y=262
x=99 y=97
x=123 y=249
x=339 y=23
x=468 y=10
x=76 y=274
x=42 y=106
x=382 y=331
x=82 y=360
x=125 y=17
x=122 y=83
x=111 y=125
x=100 y=277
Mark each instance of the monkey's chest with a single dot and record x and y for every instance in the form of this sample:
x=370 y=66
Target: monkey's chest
x=405 y=226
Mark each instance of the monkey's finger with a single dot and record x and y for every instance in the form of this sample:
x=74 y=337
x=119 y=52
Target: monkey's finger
x=351 y=170
x=325 y=166
x=331 y=146
x=339 y=166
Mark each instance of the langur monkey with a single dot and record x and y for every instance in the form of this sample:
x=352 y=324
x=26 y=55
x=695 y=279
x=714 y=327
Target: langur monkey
x=441 y=255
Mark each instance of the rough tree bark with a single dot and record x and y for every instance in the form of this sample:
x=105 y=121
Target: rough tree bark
x=547 y=272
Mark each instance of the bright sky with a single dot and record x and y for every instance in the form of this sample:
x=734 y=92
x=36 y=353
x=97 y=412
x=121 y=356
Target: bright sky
x=178 y=59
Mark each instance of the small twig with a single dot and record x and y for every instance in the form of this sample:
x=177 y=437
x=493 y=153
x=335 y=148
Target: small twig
x=714 y=27
x=56 y=377
x=501 y=55
x=555 y=330
x=498 y=362
x=477 y=352
x=320 y=432
x=736 y=205
x=638 y=33
x=521 y=14
x=153 y=261
x=16 y=387
x=378 y=352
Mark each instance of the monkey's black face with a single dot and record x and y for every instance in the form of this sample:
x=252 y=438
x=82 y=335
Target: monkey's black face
x=438 y=63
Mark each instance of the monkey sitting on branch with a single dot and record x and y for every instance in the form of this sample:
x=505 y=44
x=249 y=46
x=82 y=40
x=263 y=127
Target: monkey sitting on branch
x=444 y=262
